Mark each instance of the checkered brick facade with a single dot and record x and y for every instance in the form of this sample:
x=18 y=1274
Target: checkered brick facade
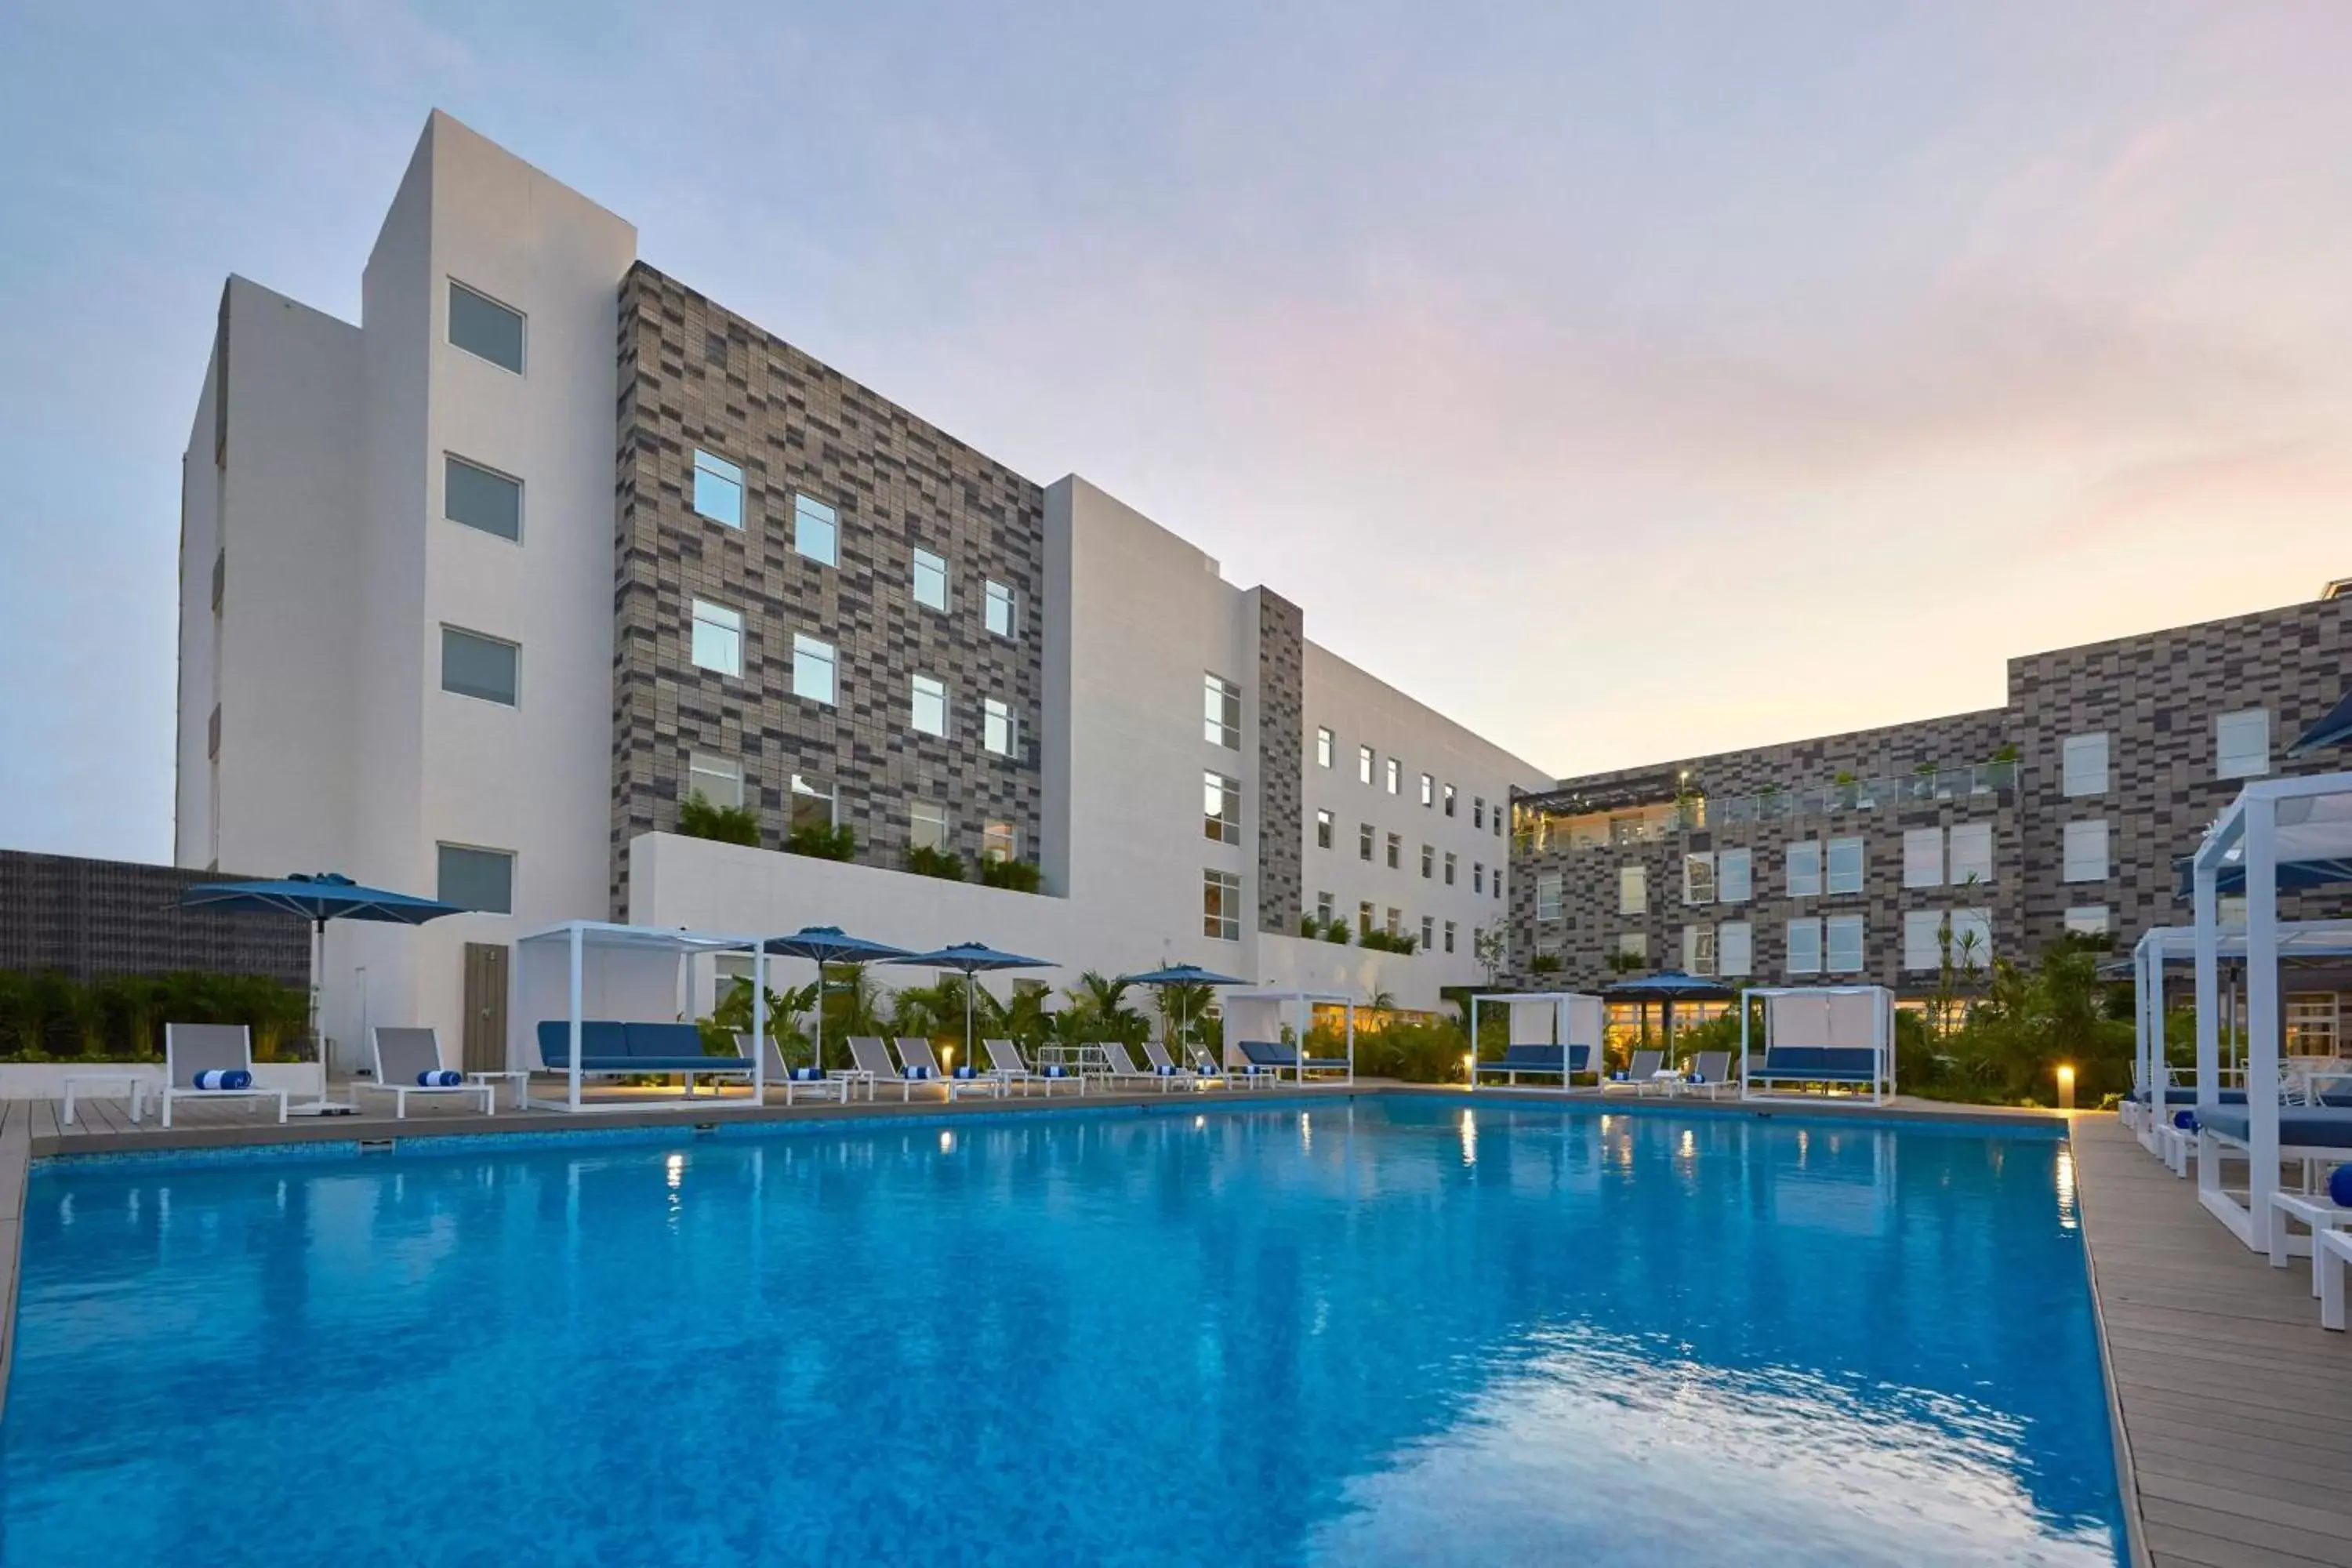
x=1281 y=760
x=94 y=919
x=694 y=376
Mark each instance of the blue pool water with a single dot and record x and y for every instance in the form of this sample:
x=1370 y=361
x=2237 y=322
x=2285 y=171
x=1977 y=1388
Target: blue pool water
x=1382 y=1331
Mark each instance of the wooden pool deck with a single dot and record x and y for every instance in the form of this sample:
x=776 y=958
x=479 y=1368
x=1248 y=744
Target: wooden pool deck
x=2233 y=1406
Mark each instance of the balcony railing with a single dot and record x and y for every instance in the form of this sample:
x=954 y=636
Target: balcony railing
x=1779 y=806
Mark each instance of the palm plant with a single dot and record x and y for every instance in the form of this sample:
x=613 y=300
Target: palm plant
x=1099 y=1003
x=1183 y=1001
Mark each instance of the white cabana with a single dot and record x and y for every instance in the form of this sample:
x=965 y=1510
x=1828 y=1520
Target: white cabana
x=583 y=984
x=1253 y=1024
x=2278 y=834
x=1548 y=1029
x=1833 y=1035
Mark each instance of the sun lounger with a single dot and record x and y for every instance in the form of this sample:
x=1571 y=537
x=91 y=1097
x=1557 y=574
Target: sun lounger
x=873 y=1059
x=814 y=1083
x=1710 y=1075
x=1641 y=1074
x=1157 y=1055
x=193 y=1049
x=1005 y=1065
x=408 y=1061
x=1122 y=1069
x=915 y=1052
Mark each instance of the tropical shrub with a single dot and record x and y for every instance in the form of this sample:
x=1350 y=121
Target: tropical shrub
x=1017 y=876
x=697 y=818
x=49 y=1017
x=1380 y=940
x=822 y=842
x=925 y=861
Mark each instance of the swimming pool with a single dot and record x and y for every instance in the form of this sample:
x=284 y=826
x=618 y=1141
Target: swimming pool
x=1384 y=1330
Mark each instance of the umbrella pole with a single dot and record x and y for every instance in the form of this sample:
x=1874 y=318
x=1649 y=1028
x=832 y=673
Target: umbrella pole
x=321 y=1106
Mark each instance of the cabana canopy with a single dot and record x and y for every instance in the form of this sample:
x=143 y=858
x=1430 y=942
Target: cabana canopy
x=1826 y=1034
x=1255 y=1017
x=2164 y=947
x=580 y=972
x=1548 y=1030
x=2278 y=833
x=2333 y=730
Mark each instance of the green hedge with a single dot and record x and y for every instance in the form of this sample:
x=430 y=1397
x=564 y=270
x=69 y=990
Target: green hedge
x=47 y=1017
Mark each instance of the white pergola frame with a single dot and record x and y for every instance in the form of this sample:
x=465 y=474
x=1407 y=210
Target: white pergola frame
x=582 y=937
x=1303 y=1022
x=2274 y=822
x=1882 y=1034
x=1561 y=1014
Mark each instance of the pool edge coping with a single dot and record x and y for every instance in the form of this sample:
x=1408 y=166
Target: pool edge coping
x=2136 y=1547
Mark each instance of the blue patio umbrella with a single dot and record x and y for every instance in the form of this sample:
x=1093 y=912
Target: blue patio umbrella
x=1180 y=974
x=830 y=944
x=319 y=897
x=2333 y=730
x=968 y=958
x=1668 y=987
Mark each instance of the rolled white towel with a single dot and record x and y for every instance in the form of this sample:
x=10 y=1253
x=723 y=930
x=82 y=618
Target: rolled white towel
x=224 y=1077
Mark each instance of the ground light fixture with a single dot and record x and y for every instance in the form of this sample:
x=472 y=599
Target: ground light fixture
x=2065 y=1086
x=1470 y=1068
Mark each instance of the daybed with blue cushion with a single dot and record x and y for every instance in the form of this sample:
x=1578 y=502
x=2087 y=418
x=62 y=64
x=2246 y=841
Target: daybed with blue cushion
x=1566 y=1063
x=1274 y=1058
x=610 y=1049
x=1830 y=1038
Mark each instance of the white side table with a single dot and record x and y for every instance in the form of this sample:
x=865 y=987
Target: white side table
x=129 y=1085
x=519 y=1076
x=2312 y=1210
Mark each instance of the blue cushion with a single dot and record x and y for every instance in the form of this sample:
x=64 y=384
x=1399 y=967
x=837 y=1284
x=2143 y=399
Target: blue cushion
x=2299 y=1126
x=601 y=1040
x=1820 y=1063
x=1531 y=1059
x=666 y=1040
x=1266 y=1053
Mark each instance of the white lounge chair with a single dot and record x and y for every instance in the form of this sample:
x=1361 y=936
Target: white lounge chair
x=1157 y=1055
x=874 y=1061
x=1124 y=1071
x=840 y=1086
x=193 y=1048
x=915 y=1052
x=1710 y=1075
x=403 y=1056
x=1005 y=1065
x=1640 y=1076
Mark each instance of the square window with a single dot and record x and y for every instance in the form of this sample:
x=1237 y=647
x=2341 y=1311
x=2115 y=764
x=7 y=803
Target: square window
x=1845 y=865
x=1322 y=748
x=1972 y=941
x=2083 y=765
x=1735 y=950
x=1632 y=890
x=1363 y=765
x=1365 y=839
x=1000 y=732
x=1804 y=859
x=1002 y=609
x=817 y=529
x=1428 y=861
x=1447 y=794
x=1634 y=944
x=928 y=708
x=815 y=803
x=1428 y=789
x=480 y=498
x=1322 y=830
x=484 y=328
x=1843 y=937
x=718 y=638
x=1548 y=887
x=2242 y=744
x=927 y=826
x=1734 y=876
x=2230 y=911
x=813 y=665
x=2085 y=856
x=1449 y=936
x=718 y=489
x=1396 y=852
x=1221 y=906
x=1221 y=808
x=1923 y=857
x=1395 y=772
x=1972 y=854
x=479 y=666
x=1221 y=718
x=1699 y=878
x=1449 y=868
x=719 y=780
x=1805 y=945
x=2087 y=919
x=476 y=878
x=931 y=580
x=999 y=841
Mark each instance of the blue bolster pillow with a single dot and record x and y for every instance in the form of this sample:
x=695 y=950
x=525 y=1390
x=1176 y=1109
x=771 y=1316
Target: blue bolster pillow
x=1056 y=1069
x=2184 y=1119
x=224 y=1078
x=1165 y=1071
x=2339 y=1186
x=439 y=1077
x=1617 y=1078
x=808 y=1075
x=967 y=1070
x=919 y=1072
x=1698 y=1078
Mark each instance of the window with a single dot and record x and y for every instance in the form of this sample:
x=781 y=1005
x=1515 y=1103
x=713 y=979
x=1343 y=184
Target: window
x=1804 y=868
x=1000 y=732
x=1498 y=881
x=1221 y=808
x=1220 y=720
x=1428 y=789
x=1477 y=875
x=2242 y=744
x=1634 y=944
x=1428 y=861
x=718 y=489
x=1396 y=851
x=1972 y=941
x=814 y=803
x=928 y=706
x=1735 y=950
x=475 y=665
x=1478 y=811
x=717 y=642
x=719 y=780
x=1364 y=917
x=1923 y=950
x=1428 y=933
x=1845 y=865
x=931 y=580
x=1322 y=830
x=476 y=878
x=1805 y=945
x=1449 y=936
x=1323 y=910
x=479 y=498
x=2230 y=909
x=2087 y=919
x=1002 y=608
x=1698 y=950
x=1221 y=905
x=1923 y=857
x=927 y=826
x=1632 y=890
x=1000 y=841
x=1322 y=747
x=1734 y=880
x=1363 y=765
x=1364 y=841
x=1447 y=794
x=484 y=328
x=2085 y=857
x=813 y=669
x=1496 y=825
x=1449 y=868
x=1843 y=935
x=1548 y=896
x=1972 y=854
x=2314 y=1024
x=1699 y=878
x=2082 y=763
x=1395 y=775
x=816 y=530
x=1395 y=924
